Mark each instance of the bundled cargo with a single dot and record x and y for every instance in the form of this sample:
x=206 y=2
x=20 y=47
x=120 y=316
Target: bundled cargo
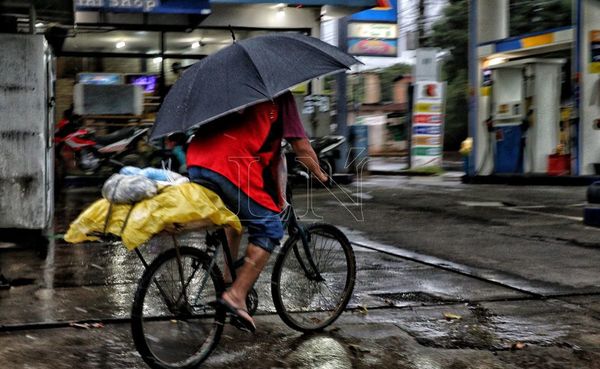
x=135 y=223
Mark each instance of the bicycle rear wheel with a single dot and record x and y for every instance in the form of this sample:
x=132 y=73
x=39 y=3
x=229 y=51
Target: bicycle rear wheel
x=307 y=301
x=175 y=322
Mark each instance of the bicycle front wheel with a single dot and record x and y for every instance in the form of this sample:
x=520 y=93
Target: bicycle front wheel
x=175 y=321
x=312 y=285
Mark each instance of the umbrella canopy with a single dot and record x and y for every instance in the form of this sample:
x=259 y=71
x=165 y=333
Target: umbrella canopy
x=243 y=74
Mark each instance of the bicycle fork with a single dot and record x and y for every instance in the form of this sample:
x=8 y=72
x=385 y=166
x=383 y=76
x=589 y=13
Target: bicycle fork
x=312 y=271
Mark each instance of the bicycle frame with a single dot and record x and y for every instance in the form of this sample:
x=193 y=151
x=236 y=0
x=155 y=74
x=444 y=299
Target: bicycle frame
x=218 y=238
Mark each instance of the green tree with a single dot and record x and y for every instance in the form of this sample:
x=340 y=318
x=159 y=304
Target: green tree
x=533 y=15
x=451 y=33
x=387 y=76
x=356 y=83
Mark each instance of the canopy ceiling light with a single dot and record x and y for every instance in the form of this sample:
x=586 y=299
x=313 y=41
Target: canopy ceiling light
x=496 y=61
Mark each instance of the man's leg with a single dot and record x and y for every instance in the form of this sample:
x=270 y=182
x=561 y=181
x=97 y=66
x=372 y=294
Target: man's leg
x=256 y=259
x=233 y=240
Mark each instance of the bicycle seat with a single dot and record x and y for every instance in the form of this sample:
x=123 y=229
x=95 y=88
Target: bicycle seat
x=115 y=136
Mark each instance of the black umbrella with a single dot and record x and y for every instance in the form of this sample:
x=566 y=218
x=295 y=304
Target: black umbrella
x=243 y=74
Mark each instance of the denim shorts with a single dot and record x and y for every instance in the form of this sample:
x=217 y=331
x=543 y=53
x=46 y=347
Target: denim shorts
x=264 y=225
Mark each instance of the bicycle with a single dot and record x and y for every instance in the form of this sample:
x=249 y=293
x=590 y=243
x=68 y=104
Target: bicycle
x=176 y=322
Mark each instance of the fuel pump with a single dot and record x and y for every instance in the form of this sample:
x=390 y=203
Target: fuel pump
x=523 y=126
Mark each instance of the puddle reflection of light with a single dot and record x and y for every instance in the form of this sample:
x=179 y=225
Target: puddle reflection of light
x=423 y=362
x=46 y=293
x=119 y=294
x=320 y=352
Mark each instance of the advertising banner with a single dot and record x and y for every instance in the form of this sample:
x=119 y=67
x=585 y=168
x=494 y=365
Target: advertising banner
x=428 y=120
x=372 y=47
x=374 y=32
x=419 y=129
x=386 y=11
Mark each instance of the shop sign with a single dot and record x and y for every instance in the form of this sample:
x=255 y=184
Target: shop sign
x=595 y=52
x=99 y=78
x=426 y=66
x=386 y=11
x=427 y=140
x=427 y=151
x=144 y=6
x=372 y=47
x=428 y=107
x=419 y=129
x=428 y=118
x=372 y=30
x=430 y=91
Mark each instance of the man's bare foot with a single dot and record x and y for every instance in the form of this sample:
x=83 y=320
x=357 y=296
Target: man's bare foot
x=237 y=307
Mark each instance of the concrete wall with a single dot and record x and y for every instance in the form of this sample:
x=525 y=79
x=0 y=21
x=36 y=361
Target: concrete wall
x=590 y=93
x=25 y=179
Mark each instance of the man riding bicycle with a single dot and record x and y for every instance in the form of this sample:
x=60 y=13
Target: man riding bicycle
x=239 y=159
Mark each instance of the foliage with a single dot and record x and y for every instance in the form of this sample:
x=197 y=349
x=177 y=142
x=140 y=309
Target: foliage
x=451 y=34
x=387 y=76
x=534 y=15
x=356 y=83
x=456 y=129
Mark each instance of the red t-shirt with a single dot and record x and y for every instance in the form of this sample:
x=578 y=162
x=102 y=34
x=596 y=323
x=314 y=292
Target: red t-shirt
x=245 y=147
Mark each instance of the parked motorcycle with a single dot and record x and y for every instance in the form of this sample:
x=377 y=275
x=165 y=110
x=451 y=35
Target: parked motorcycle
x=90 y=152
x=327 y=149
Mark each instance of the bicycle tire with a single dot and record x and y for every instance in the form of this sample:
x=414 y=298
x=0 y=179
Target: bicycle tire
x=290 y=318
x=137 y=317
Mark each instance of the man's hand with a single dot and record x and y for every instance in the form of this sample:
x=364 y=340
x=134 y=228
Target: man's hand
x=307 y=156
x=324 y=179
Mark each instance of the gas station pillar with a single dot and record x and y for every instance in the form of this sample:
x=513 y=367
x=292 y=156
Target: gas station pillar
x=488 y=21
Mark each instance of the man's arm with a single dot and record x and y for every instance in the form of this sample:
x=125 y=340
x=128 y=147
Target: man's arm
x=307 y=156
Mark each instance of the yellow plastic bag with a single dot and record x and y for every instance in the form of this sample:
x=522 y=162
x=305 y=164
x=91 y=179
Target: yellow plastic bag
x=181 y=204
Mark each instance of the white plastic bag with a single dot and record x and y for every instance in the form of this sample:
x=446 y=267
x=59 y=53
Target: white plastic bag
x=128 y=189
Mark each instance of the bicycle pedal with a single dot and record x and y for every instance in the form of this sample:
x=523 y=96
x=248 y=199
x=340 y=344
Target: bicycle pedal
x=235 y=321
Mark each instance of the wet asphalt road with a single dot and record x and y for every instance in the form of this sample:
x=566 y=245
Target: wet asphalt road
x=449 y=276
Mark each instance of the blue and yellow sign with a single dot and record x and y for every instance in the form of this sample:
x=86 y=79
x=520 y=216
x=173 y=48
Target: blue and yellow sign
x=386 y=11
x=145 y=6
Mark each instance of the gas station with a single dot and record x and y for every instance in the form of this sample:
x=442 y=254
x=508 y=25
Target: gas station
x=534 y=98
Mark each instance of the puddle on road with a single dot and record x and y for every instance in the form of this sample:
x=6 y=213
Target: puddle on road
x=480 y=328
x=413 y=298
x=320 y=352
